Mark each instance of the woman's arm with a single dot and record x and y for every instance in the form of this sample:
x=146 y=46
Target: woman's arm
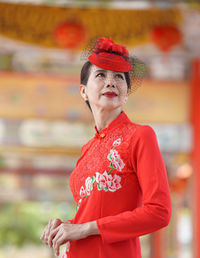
x=155 y=211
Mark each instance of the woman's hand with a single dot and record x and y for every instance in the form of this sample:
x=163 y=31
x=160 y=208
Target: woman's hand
x=67 y=232
x=53 y=224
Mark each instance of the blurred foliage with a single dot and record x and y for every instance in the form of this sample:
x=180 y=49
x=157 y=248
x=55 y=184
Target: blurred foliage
x=6 y=61
x=23 y=223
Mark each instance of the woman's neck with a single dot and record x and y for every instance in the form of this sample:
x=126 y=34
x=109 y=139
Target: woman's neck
x=104 y=117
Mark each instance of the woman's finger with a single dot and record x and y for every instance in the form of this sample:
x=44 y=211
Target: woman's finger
x=59 y=240
x=54 y=225
x=58 y=235
x=52 y=234
x=44 y=234
x=51 y=226
x=47 y=232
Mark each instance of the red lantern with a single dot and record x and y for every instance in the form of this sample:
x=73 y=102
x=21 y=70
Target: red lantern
x=70 y=34
x=165 y=37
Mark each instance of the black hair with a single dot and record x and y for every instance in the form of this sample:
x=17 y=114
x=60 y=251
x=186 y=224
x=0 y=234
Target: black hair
x=85 y=72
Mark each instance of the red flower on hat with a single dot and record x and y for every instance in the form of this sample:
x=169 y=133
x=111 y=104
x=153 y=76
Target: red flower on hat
x=104 y=44
x=108 y=45
x=120 y=49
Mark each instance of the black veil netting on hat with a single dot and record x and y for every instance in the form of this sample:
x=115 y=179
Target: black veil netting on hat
x=137 y=74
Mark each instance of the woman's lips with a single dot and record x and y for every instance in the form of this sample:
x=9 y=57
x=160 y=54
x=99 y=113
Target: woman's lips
x=110 y=94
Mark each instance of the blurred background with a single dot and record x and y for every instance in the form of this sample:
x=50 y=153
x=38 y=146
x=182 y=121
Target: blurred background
x=44 y=122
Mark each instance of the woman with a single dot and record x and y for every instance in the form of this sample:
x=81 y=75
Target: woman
x=119 y=183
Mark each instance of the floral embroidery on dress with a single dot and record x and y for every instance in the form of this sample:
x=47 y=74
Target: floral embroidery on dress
x=108 y=182
x=89 y=184
x=105 y=181
x=117 y=142
x=116 y=161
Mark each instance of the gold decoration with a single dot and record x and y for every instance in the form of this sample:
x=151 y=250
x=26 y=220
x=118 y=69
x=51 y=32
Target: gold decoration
x=35 y=23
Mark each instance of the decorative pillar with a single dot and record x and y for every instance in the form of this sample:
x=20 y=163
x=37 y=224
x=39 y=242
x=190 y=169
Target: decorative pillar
x=195 y=120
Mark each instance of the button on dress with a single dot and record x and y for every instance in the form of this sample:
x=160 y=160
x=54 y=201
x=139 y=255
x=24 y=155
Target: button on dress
x=120 y=181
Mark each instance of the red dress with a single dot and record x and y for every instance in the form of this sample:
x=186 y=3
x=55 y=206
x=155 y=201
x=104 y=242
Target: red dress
x=120 y=181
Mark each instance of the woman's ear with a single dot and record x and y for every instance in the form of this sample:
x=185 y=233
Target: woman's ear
x=83 y=92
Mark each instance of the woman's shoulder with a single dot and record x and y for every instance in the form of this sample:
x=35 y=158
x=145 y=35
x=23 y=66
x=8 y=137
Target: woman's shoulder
x=142 y=130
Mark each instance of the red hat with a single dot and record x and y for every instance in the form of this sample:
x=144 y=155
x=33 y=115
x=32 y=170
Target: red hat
x=108 y=55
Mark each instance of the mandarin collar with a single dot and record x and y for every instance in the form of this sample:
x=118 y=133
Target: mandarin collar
x=120 y=119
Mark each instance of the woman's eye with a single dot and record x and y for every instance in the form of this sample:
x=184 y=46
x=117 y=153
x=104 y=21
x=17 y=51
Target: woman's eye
x=100 y=75
x=119 y=76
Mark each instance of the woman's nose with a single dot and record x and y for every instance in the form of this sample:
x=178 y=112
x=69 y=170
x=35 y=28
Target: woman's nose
x=110 y=82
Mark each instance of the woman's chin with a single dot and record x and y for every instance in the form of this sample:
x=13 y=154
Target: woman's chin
x=106 y=104
x=110 y=106
x=110 y=103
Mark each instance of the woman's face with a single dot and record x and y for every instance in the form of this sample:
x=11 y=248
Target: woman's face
x=105 y=88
